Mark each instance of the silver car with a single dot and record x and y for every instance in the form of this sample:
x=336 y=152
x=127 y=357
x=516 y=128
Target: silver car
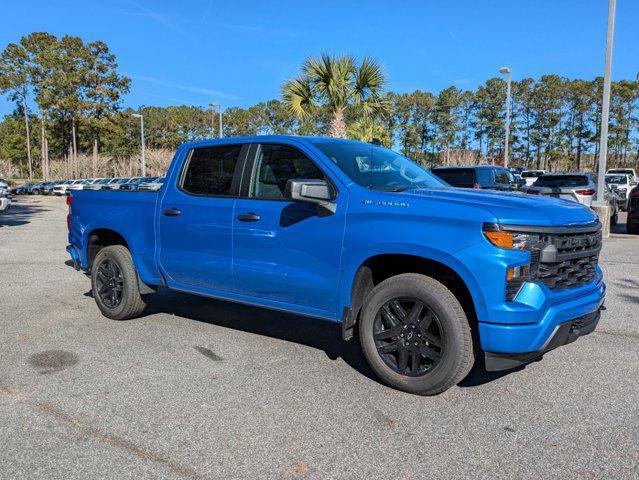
x=154 y=185
x=577 y=187
x=115 y=183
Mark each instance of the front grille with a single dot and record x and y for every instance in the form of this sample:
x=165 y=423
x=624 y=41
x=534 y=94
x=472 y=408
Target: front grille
x=569 y=273
x=574 y=263
x=559 y=258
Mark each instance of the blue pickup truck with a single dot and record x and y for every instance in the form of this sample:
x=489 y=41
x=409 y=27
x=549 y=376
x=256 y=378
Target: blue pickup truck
x=431 y=277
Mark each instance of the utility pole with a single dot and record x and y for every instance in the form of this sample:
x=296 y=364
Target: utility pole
x=506 y=70
x=142 y=160
x=600 y=205
x=213 y=105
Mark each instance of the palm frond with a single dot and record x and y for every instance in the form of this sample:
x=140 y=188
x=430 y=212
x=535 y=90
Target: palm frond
x=298 y=97
x=369 y=80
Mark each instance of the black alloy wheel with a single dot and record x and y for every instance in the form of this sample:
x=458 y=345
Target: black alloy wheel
x=408 y=336
x=109 y=283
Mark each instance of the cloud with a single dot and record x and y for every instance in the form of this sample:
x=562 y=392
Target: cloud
x=187 y=88
x=145 y=12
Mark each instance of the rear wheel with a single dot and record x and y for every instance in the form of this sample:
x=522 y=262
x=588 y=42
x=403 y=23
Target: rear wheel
x=415 y=335
x=115 y=284
x=632 y=228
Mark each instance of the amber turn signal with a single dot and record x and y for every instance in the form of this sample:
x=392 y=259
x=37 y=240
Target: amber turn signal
x=500 y=239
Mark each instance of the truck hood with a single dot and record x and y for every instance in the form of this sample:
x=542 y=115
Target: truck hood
x=512 y=208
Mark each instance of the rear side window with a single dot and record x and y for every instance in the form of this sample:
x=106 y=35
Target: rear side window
x=275 y=165
x=457 y=177
x=561 y=181
x=504 y=176
x=210 y=170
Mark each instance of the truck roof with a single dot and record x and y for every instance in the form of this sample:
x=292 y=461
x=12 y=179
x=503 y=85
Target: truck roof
x=263 y=138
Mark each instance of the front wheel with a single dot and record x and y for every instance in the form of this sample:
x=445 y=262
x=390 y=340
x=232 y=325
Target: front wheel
x=114 y=282
x=415 y=335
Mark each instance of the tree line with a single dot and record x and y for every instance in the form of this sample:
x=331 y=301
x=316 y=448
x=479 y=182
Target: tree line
x=70 y=93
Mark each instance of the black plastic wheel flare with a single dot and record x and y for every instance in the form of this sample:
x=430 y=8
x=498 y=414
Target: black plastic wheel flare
x=109 y=283
x=408 y=336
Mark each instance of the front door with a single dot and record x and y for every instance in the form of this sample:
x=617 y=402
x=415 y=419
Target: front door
x=286 y=251
x=196 y=219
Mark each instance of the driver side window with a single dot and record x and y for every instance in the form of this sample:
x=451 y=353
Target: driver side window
x=274 y=166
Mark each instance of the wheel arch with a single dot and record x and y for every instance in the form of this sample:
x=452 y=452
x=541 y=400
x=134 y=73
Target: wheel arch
x=101 y=237
x=376 y=268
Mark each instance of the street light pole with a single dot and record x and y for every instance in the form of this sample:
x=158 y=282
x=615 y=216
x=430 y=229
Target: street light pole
x=506 y=70
x=142 y=160
x=213 y=105
x=605 y=108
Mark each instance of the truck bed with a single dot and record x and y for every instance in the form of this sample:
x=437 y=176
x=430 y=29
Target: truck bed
x=130 y=213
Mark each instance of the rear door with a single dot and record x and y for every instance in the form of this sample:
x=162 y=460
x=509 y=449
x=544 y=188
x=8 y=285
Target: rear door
x=196 y=216
x=286 y=251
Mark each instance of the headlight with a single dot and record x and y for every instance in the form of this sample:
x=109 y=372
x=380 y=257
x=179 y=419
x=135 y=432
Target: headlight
x=511 y=240
x=529 y=242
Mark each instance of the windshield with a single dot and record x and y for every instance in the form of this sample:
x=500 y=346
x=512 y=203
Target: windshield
x=616 y=179
x=561 y=181
x=375 y=167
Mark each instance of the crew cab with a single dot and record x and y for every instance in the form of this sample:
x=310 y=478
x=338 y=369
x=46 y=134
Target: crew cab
x=431 y=276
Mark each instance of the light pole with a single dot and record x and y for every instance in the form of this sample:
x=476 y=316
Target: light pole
x=605 y=108
x=141 y=117
x=506 y=70
x=213 y=105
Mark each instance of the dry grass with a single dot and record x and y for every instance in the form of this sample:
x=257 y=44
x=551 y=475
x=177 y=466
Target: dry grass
x=157 y=163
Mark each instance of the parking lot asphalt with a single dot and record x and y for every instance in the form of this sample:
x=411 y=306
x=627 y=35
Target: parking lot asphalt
x=205 y=389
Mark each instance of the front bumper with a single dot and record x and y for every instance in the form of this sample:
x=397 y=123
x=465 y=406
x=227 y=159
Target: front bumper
x=564 y=333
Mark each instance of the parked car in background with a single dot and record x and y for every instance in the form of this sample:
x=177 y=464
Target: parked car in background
x=622 y=184
x=529 y=176
x=154 y=185
x=577 y=187
x=353 y=233
x=115 y=184
x=48 y=189
x=42 y=188
x=627 y=171
x=132 y=183
x=19 y=190
x=98 y=184
x=35 y=188
x=5 y=203
x=5 y=191
x=482 y=176
x=61 y=188
x=632 y=223
x=76 y=185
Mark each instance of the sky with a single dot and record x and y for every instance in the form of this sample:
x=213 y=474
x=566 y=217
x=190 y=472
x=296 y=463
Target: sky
x=239 y=53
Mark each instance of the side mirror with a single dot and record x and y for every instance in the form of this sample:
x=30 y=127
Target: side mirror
x=311 y=191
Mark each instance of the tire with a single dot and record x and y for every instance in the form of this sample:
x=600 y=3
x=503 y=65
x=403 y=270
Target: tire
x=632 y=228
x=614 y=218
x=456 y=354
x=129 y=303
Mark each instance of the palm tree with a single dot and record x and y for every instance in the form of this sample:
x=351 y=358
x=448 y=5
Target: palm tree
x=339 y=83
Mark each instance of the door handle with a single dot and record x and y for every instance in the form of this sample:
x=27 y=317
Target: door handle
x=248 y=217
x=172 y=212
